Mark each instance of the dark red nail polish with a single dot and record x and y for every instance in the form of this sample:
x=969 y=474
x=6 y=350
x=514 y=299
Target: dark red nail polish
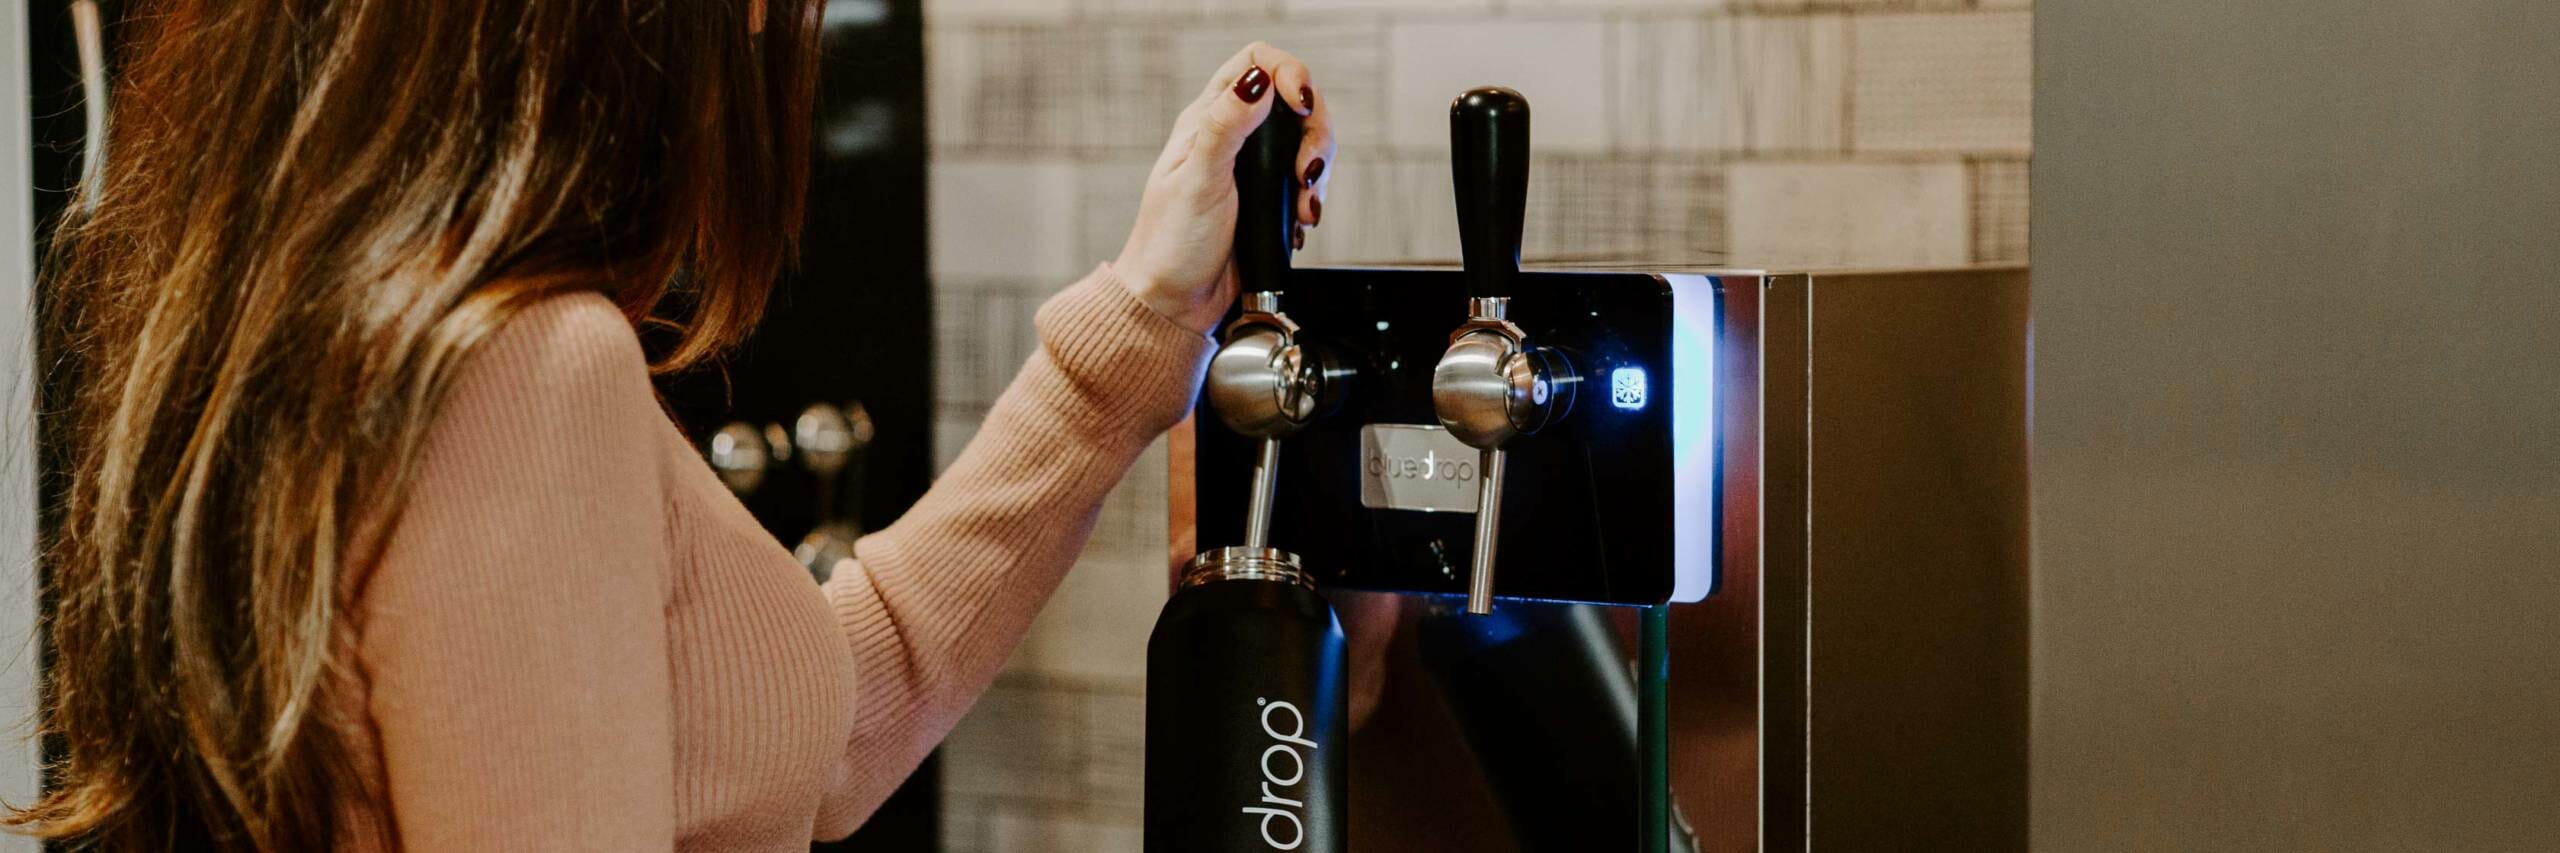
x=1315 y=211
x=1306 y=99
x=1249 y=88
x=1298 y=238
x=1315 y=169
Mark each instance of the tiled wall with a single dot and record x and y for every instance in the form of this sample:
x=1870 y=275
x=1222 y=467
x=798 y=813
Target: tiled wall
x=1760 y=131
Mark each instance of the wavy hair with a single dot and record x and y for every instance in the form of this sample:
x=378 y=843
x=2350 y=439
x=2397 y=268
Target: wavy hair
x=311 y=212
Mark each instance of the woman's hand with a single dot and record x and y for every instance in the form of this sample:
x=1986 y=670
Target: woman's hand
x=1177 y=259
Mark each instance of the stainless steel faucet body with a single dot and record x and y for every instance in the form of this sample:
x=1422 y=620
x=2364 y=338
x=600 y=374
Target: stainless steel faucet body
x=1265 y=385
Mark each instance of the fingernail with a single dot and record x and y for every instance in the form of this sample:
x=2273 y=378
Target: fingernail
x=1306 y=99
x=1249 y=88
x=1315 y=211
x=1315 y=169
x=1298 y=238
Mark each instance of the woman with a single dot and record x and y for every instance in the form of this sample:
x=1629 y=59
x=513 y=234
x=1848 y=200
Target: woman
x=376 y=535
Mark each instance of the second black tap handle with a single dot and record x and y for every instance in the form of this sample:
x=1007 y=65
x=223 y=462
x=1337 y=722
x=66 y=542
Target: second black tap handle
x=1267 y=199
x=1489 y=159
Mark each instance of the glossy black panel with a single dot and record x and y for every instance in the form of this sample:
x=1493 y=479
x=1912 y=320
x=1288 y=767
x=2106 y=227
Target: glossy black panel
x=1588 y=515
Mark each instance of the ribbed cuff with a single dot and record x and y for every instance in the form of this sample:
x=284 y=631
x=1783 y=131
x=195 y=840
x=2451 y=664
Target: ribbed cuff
x=1132 y=370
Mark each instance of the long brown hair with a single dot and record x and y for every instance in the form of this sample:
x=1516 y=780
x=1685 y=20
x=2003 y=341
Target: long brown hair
x=312 y=211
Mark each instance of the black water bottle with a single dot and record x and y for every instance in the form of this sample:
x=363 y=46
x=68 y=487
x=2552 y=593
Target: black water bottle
x=1247 y=748
x=1247 y=740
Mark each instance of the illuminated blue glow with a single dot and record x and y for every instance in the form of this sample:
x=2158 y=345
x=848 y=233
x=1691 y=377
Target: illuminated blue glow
x=1626 y=387
x=1693 y=436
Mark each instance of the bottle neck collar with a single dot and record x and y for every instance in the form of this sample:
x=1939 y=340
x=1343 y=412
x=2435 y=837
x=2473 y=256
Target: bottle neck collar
x=1245 y=564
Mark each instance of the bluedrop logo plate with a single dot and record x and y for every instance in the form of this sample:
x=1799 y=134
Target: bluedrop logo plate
x=1407 y=466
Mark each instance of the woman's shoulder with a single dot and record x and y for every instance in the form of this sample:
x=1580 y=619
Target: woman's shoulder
x=566 y=359
x=575 y=334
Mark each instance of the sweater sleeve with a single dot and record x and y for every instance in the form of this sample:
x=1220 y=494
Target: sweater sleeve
x=939 y=599
x=513 y=628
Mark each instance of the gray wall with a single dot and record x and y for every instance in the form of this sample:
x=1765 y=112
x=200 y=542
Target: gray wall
x=17 y=429
x=2297 y=425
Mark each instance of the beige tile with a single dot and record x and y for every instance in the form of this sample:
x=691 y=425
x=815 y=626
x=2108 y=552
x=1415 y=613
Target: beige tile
x=1752 y=83
x=1006 y=219
x=1116 y=774
x=966 y=821
x=950 y=66
x=1125 y=96
x=954 y=423
x=1941 y=82
x=1344 y=59
x=2000 y=211
x=1131 y=530
x=1838 y=213
x=1155 y=15
x=1109 y=192
x=938 y=11
x=1620 y=207
x=1003 y=86
x=1386 y=206
x=1038 y=832
x=1559 y=63
x=1095 y=626
x=1239 y=11
x=982 y=335
x=1045 y=764
x=1582 y=205
x=1045 y=89
x=1639 y=5
x=1894 y=5
x=1342 y=8
x=1018 y=742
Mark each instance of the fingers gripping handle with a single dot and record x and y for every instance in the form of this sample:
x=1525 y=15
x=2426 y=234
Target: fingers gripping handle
x=1489 y=159
x=1267 y=200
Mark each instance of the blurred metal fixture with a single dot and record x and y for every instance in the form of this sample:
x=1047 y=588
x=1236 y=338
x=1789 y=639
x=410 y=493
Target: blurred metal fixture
x=828 y=440
x=739 y=454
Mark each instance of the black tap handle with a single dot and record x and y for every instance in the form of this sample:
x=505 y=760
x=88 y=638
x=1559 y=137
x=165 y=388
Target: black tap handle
x=1489 y=159
x=1267 y=199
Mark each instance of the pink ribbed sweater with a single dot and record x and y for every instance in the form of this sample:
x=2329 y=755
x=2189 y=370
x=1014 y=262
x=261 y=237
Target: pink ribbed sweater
x=575 y=638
